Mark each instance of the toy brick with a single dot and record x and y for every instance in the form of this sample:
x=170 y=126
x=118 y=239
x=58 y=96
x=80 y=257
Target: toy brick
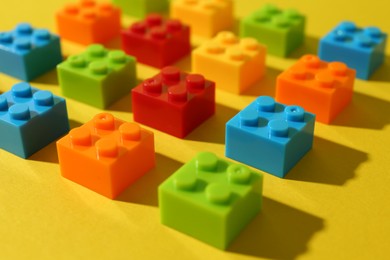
x=210 y=199
x=97 y=77
x=89 y=22
x=282 y=31
x=157 y=42
x=106 y=154
x=234 y=64
x=140 y=8
x=30 y=119
x=270 y=136
x=26 y=53
x=173 y=101
x=322 y=88
x=205 y=17
x=362 y=49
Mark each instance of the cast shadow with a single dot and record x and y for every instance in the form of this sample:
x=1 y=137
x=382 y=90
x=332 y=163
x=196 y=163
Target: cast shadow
x=236 y=26
x=278 y=232
x=145 y=190
x=46 y=154
x=265 y=86
x=213 y=129
x=309 y=46
x=364 y=112
x=49 y=153
x=114 y=44
x=49 y=78
x=328 y=163
x=184 y=63
x=382 y=73
x=124 y=104
x=74 y=124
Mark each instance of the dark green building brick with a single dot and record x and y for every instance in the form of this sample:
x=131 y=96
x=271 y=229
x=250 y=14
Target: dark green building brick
x=97 y=77
x=282 y=31
x=210 y=199
x=140 y=8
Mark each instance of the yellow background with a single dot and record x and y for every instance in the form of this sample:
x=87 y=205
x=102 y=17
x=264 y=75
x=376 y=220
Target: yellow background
x=333 y=205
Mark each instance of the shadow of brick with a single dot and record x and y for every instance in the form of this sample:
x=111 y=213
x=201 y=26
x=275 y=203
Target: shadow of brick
x=265 y=86
x=278 y=232
x=49 y=78
x=328 y=163
x=213 y=129
x=49 y=152
x=309 y=46
x=144 y=190
x=364 y=112
x=382 y=73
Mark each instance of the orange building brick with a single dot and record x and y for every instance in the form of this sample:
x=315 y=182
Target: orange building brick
x=205 y=17
x=322 y=88
x=106 y=154
x=234 y=64
x=89 y=22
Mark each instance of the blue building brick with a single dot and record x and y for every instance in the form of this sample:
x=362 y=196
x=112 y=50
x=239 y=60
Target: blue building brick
x=269 y=135
x=362 y=49
x=30 y=119
x=27 y=53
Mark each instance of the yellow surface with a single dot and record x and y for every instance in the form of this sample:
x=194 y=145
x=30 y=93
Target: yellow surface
x=333 y=205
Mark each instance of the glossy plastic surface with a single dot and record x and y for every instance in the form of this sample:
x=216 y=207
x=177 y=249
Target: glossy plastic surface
x=205 y=17
x=89 y=21
x=210 y=199
x=322 y=88
x=270 y=136
x=362 y=49
x=282 y=31
x=30 y=119
x=98 y=76
x=26 y=52
x=234 y=64
x=157 y=42
x=173 y=101
x=106 y=154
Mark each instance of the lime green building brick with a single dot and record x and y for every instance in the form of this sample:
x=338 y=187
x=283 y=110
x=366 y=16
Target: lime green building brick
x=282 y=31
x=210 y=199
x=140 y=8
x=97 y=77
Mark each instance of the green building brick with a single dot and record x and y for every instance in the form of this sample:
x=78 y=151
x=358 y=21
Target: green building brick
x=140 y=8
x=97 y=77
x=210 y=199
x=281 y=31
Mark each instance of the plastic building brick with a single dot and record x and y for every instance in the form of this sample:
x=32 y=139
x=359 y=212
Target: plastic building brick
x=205 y=17
x=157 y=42
x=233 y=64
x=322 y=88
x=106 y=154
x=30 y=119
x=89 y=22
x=174 y=102
x=26 y=53
x=210 y=199
x=281 y=31
x=97 y=77
x=140 y=8
x=362 y=49
x=270 y=136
